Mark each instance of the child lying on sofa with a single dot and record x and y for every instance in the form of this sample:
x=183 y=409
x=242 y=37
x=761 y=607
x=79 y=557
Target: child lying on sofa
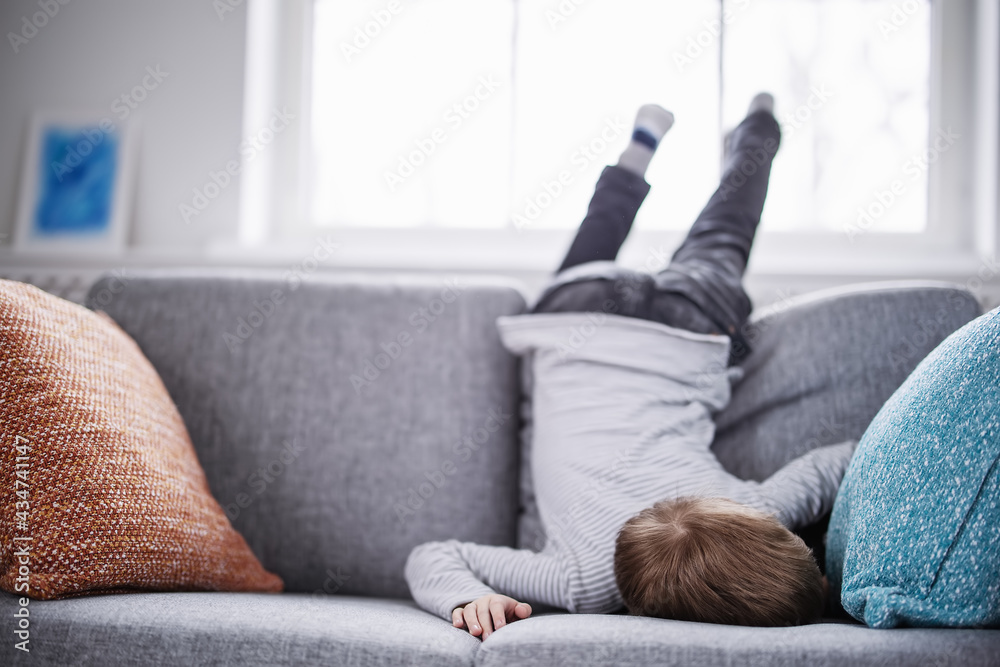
x=624 y=407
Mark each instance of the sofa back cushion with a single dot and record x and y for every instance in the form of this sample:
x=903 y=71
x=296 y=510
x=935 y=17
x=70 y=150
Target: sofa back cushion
x=824 y=363
x=340 y=422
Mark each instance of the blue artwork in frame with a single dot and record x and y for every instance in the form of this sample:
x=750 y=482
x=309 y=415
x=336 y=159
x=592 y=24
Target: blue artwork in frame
x=76 y=199
x=75 y=191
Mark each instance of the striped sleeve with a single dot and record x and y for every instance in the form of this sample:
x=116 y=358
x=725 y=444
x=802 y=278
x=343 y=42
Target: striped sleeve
x=804 y=490
x=445 y=575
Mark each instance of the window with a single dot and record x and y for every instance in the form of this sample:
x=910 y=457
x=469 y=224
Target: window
x=492 y=119
x=852 y=77
x=411 y=113
x=407 y=133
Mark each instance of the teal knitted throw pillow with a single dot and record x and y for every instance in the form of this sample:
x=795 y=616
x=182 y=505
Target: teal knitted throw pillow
x=915 y=534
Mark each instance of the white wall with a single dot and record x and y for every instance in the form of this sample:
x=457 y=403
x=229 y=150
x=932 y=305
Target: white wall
x=91 y=52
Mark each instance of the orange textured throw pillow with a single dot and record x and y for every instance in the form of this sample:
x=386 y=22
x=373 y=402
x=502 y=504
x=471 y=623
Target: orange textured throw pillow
x=100 y=487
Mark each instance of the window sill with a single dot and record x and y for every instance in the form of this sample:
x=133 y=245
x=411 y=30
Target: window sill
x=535 y=251
x=539 y=251
x=781 y=263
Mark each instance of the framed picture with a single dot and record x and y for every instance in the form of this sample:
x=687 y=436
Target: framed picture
x=77 y=183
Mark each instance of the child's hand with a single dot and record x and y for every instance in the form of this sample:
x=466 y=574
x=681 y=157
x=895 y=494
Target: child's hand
x=489 y=613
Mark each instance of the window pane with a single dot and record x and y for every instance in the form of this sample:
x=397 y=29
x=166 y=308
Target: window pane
x=391 y=148
x=582 y=76
x=411 y=121
x=851 y=78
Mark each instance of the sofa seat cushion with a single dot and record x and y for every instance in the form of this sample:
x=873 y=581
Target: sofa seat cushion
x=235 y=629
x=564 y=639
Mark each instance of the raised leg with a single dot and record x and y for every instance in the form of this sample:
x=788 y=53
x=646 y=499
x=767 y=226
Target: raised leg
x=707 y=269
x=619 y=193
x=617 y=197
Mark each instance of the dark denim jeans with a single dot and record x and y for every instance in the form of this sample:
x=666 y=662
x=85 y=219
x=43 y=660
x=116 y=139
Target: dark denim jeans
x=701 y=289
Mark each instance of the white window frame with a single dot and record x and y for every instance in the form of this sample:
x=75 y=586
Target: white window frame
x=962 y=225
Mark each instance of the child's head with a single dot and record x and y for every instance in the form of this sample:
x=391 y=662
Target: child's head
x=716 y=561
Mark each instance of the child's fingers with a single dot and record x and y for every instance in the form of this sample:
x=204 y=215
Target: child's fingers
x=456 y=617
x=471 y=622
x=483 y=614
x=499 y=613
x=522 y=610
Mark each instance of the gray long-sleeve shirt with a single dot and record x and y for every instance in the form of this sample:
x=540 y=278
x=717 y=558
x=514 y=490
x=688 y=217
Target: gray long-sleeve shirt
x=622 y=419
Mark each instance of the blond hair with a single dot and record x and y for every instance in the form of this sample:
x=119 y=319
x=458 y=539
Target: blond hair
x=716 y=561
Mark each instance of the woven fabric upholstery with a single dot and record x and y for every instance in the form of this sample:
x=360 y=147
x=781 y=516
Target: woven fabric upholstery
x=99 y=477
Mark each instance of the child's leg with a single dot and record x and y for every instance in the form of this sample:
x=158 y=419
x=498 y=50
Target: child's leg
x=707 y=270
x=617 y=197
x=616 y=200
x=619 y=193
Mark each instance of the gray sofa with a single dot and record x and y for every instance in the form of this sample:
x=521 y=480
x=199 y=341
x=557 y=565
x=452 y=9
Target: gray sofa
x=352 y=418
